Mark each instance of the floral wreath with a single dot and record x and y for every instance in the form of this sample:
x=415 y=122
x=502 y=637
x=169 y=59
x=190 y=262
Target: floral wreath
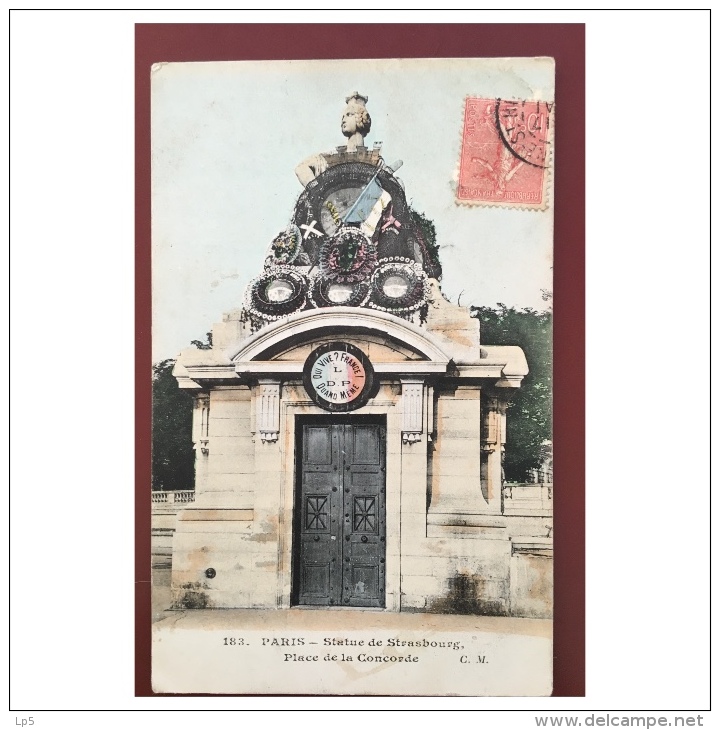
x=318 y=296
x=259 y=305
x=285 y=246
x=348 y=257
x=418 y=291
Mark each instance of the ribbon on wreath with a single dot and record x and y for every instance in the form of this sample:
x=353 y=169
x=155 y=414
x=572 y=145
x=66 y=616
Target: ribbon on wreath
x=390 y=220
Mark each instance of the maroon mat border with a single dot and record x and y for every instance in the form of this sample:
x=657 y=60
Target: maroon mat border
x=156 y=43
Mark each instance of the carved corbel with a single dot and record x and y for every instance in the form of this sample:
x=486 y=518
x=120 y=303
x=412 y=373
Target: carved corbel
x=268 y=410
x=490 y=430
x=201 y=421
x=493 y=424
x=412 y=404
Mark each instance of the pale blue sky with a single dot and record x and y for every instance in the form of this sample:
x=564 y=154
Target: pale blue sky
x=227 y=137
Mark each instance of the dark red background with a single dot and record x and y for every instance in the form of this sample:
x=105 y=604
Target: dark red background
x=566 y=43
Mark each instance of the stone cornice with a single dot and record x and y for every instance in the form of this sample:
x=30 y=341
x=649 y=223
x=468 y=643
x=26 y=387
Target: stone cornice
x=295 y=367
x=251 y=358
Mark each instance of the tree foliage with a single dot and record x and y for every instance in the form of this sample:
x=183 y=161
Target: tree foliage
x=529 y=415
x=207 y=345
x=173 y=458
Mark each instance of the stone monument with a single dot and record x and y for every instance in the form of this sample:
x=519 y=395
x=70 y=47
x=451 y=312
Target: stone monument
x=349 y=424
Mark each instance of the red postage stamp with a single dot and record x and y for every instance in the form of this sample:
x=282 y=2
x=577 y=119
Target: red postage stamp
x=505 y=154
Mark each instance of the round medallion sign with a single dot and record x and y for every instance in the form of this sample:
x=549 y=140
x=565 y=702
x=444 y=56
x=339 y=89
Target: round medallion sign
x=338 y=377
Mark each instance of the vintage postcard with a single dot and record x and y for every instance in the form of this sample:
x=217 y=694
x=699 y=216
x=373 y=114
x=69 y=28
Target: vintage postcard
x=352 y=478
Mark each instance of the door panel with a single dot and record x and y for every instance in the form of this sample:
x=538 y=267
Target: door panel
x=364 y=517
x=318 y=445
x=366 y=444
x=341 y=503
x=319 y=505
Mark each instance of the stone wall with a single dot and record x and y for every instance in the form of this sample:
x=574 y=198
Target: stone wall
x=450 y=547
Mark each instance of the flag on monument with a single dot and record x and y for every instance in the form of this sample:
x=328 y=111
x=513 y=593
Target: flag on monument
x=365 y=204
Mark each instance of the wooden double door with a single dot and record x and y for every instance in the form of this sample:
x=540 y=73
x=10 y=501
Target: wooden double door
x=339 y=539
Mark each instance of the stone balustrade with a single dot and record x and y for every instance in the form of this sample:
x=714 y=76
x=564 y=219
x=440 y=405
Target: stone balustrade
x=165 y=507
x=184 y=496
x=527 y=499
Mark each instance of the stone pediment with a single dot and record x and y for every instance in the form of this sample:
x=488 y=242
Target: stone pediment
x=394 y=345
x=276 y=338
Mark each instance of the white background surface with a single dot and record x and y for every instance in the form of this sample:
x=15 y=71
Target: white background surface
x=72 y=240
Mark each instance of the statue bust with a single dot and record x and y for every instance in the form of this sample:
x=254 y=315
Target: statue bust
x=355 y=122
x=355 y=125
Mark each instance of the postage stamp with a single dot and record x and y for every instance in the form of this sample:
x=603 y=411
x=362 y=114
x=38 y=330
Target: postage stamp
x=506 y=153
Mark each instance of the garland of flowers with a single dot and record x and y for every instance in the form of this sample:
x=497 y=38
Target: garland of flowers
x=260 y=306
x=348 y=257
x=285 y=246
x=318 y=297
x=418 y=291
x=424 y=232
